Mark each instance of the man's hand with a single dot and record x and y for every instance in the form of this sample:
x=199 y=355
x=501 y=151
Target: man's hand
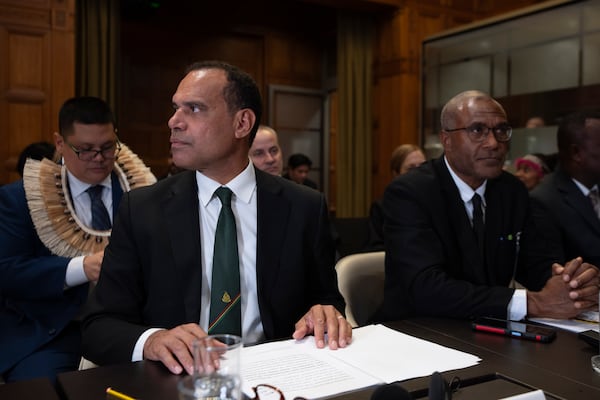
x=573 y=288
x=173 y=347
x=92 y=265
x=583 y=279
x=324 y=319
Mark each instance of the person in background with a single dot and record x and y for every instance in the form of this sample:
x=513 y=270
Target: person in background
x=153 y=298
x=457 y=232
x=52 y=239
x=531 y=168
x=566 y=205
x=36 y=151
x=535 y=122
x=265 y=152
x=404 y=158
x=298 y=168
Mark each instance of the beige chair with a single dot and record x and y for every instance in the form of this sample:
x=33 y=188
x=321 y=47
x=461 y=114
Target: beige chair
x=360 y=279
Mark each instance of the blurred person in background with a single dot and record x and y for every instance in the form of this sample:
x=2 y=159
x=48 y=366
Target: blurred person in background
x=404 y=158
x=265 y=152
x=531 y=168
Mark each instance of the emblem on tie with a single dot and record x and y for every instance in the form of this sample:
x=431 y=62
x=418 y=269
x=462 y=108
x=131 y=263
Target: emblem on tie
x=226 y=298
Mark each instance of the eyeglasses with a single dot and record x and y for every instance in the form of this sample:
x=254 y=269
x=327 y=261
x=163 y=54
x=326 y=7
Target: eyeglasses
x=479 y=132
x=109 y=152
x=268 y=392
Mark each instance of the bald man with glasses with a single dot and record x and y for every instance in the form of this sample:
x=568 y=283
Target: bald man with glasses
x=458 y=232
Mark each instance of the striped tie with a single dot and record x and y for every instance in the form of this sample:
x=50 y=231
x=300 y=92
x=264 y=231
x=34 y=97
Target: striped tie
x=478 y=225
x=595 y=199
x=100 y=217
x=225 y=303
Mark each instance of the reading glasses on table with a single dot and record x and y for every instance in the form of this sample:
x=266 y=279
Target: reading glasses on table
x=270 y=392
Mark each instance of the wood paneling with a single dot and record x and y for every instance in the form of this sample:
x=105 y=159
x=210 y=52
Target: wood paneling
x=36 y=73
x=275 y=47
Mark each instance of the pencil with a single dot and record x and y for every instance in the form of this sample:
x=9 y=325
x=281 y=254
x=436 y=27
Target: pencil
x=118 y=395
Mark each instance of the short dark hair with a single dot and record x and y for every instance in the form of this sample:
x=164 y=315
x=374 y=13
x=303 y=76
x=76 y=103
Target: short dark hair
x=84 y=110
x=240 y=92
x=571 y=130
x=37 y=151
x=299 y=159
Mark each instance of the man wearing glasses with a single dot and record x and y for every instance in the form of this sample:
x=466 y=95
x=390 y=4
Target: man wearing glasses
x=458 y=232
x=54 y=225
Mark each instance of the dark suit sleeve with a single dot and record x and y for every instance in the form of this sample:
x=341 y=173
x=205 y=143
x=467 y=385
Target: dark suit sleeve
x=426 y=270
x=113 y=320
x=28 y=271
x=542 y=246
x=295 y=256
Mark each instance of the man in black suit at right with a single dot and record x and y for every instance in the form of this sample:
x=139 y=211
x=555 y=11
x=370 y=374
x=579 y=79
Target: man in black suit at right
x=454 y=227
x=563 y=204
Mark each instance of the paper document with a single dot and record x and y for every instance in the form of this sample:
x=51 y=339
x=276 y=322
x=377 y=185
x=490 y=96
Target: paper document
x=583 y=322
x=377 y=355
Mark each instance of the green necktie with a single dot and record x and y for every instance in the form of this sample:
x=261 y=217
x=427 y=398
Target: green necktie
x=225 y=303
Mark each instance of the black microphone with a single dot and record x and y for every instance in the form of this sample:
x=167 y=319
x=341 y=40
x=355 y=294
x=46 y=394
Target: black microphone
x=391 y=391
x=439 y=388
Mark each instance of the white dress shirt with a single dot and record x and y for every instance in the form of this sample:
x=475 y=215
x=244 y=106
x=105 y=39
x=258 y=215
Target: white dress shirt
x=243 y=205
x=82 y=204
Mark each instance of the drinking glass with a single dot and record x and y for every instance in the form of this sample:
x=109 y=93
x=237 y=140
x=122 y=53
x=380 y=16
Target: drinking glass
x=216 y=370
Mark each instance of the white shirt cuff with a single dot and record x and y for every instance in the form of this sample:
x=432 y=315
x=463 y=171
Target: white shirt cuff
x=138 y=350
x=517 y=308
x=75 y=274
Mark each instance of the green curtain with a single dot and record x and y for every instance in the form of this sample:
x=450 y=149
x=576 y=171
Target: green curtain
x=354 y=72
x=97 y=41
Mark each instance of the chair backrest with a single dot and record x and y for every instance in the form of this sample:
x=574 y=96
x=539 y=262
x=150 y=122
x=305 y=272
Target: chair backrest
x=360 y=280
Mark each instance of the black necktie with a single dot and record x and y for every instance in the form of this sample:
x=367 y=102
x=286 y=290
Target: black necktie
x=100 y=217
x=225 y=302
x=478 y=227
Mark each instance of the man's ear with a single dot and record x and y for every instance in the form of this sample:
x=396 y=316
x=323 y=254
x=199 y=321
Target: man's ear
x=58 y=142
x=445 y=140
x=244 y=121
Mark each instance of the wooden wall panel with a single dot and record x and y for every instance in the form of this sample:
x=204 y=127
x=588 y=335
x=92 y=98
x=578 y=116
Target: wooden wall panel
x=27 y=86
x=150 y=74
x=36 y=73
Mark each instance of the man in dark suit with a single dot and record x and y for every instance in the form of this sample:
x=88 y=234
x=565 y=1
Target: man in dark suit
x=50 y=248
x=563 y=204
x=454 y=227
x=153 y=297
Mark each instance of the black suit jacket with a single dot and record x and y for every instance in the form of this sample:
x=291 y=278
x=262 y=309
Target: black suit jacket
x=433 y=265
x=151 y=274
x=567 y=221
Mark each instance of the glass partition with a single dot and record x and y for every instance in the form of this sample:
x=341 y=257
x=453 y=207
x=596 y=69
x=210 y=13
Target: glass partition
x=542 y=62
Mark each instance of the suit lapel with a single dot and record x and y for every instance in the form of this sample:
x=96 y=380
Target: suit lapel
x=573 y=197
x=181 y=213
x=117 y=193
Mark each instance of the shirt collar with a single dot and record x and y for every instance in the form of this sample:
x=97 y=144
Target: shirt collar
x=584 y=188
x=77 y=187
x=466 y=192
x=243 y=185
